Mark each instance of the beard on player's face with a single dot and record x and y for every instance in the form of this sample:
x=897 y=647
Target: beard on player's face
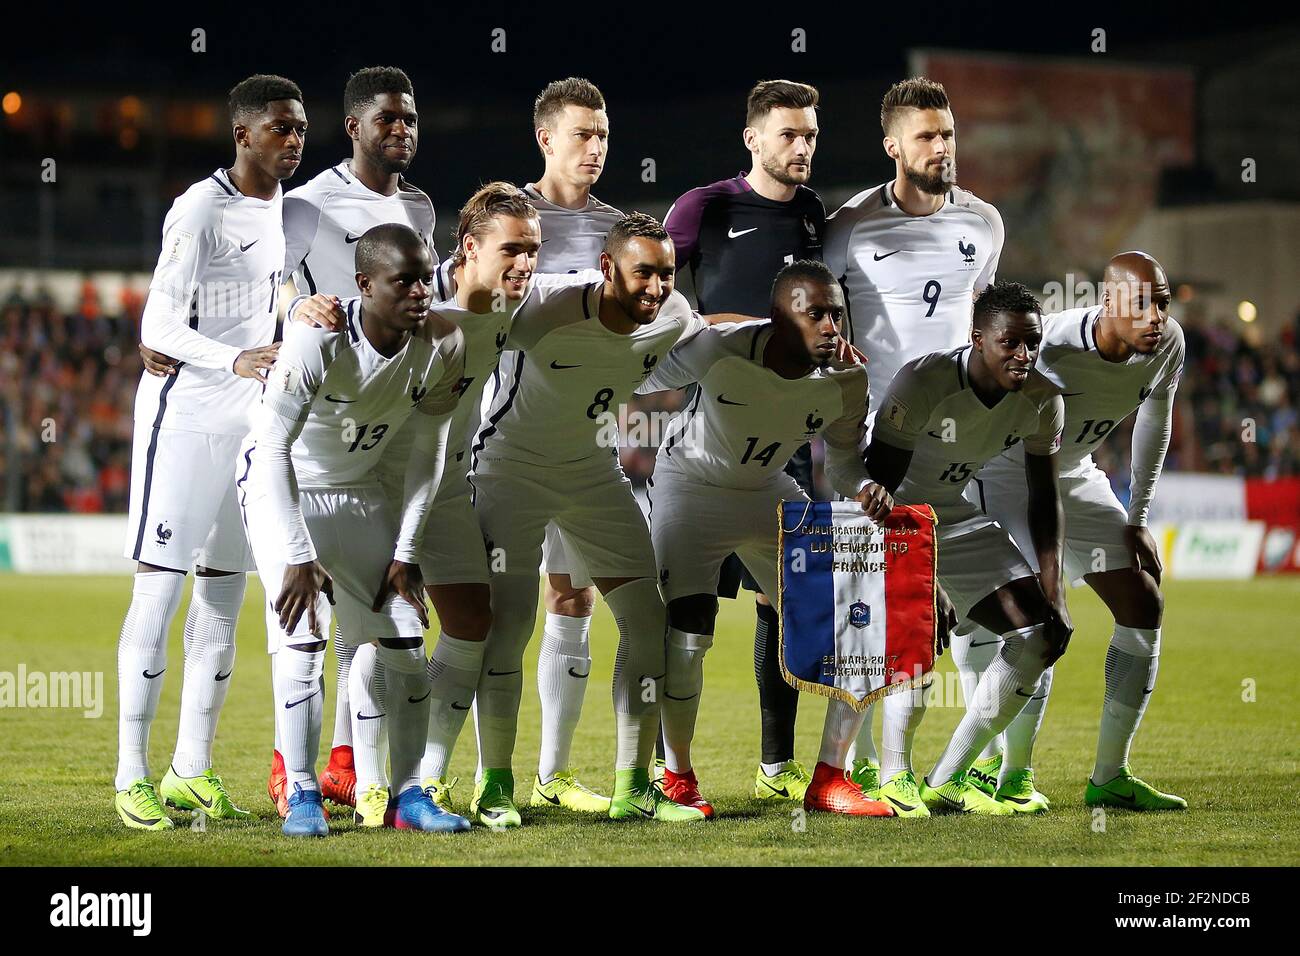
x=931 y=176
x=780 y=169
x=638 y=299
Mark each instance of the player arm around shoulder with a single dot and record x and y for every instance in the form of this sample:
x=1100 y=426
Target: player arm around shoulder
x=290 y=391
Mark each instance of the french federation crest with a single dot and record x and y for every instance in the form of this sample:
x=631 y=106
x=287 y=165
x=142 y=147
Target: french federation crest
x=859 y=614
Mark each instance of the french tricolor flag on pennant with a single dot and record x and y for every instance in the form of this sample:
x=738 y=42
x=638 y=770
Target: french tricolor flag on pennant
x=857 y=599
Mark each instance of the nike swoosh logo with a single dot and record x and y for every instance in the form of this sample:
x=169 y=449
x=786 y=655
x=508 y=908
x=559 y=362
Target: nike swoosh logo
x=369 y=716
x=456 y=706
x=349 y=238
x=900 y=804
x=558 y=367
x=490 y=814
x=1070 y=394
x=984 y=643
x=723 y=401
x=1147 y=691
x=878 y=256
x=141 y=819
x=245 y=248
x=206 y=803
x=579 y=676
x=1020 y=800
x=671 y=697
x=148 y=676
x=420 y=700
x=295 y=703
x=640 y=809
x=341 y=401
x=782 y=792
x=221 y=677
x=933 y=435
x=1023 y=694
x=492 y=673
x=732 y=234
x=550 y=799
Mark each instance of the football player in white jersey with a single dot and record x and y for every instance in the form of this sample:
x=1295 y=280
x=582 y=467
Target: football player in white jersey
x=323 y=220
x=571 y=127
x=321 y=525
x=911 y=254
x=765 y=389
x=1123 y=356
x=943 y=417
x=581 y=350
x=213 y=306
x=478 y=290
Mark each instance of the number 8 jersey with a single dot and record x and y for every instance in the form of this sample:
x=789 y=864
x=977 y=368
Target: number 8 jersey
x=910 y=280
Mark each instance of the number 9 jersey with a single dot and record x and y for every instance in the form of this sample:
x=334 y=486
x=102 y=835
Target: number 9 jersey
x=911 y=280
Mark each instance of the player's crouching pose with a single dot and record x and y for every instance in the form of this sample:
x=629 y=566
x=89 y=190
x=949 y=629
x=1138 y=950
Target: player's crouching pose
x=1108 y=361
x=317 y=515
x=765 y=389
x=943 y=417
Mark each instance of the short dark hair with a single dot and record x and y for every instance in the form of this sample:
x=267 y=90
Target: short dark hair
x=378 y=242
x=809 y=269
x=632 y=226
x=571 y=91
x=488 y=202
x=365 y=85
x=914 y=93
x=251 y=96
x=768 y=95
x=1002 y=297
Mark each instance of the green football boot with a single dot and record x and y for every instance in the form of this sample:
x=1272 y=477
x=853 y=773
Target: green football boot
x=789 y=783
x=204 y=793
x=984 y=773
x=903 y=794
x=1129 y=792
x=439 y=791
x=372 y=808
x=564 y=791
x=960 y=795
x=139 y=808
x=866 y=774
x=636 y=797
x=1019 y=793
x=493 y=805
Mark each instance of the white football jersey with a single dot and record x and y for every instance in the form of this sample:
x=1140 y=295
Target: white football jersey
x=931 y=409
x=218 y=275
x=1098 y=394
x=351 y=398
x=745 y=420
x=324 y=218
x=572 y=239
x=568 y=370
x=910 y=281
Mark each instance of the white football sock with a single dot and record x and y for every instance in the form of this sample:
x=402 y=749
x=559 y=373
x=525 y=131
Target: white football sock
x=141 y=659
x=299 y=711
x=275 y=710
x=682 y=686
x=864 y=747
x=209 y=662
x=562 y=671
x=343 y=710
x=454 y=672
x=501 y=680
x=407 y=691
x=1006 y=686
x=1132 y=661
x=838 y=732
x=639 y=669
x=972 y=653
x=368 y=698
x=901 y=714
x=1023 y=729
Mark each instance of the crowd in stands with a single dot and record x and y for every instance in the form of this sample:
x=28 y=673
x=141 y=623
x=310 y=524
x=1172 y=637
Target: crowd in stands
x=68 y=380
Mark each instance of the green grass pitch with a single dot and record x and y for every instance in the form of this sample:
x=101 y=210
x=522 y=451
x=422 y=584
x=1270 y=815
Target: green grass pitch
x=1221 y=730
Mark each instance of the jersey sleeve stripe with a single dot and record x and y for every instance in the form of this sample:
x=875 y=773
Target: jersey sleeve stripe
x=335 y=171
x=1083 y=332
x=961 y=373
x=586 y=309
x=352 y=331
x=306 y=274
x=486 y=433
x=148 y=463
x=686 y=422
